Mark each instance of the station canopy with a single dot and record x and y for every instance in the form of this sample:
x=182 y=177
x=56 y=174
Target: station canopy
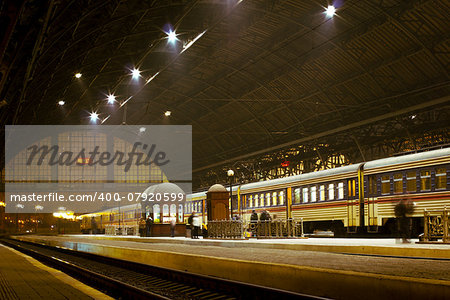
x=251 y=77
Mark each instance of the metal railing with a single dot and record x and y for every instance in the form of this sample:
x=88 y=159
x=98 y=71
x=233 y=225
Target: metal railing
x=279 y=228
x=226 y=229
x=237 y=229
x=436 y=225
x=122 y=230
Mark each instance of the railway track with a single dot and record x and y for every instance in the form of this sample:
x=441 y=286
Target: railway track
x=128 y=280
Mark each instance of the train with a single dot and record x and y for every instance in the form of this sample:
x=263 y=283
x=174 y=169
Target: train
x=352 y=199
x=128 y=216
x=357 y=198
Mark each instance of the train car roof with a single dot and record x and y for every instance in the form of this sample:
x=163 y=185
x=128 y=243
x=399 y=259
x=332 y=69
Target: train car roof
x=196 y=195
x=409 y=158
x=302 y=177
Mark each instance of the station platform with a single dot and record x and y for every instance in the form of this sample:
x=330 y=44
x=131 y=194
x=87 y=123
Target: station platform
x=334 y=268
x=22 y=277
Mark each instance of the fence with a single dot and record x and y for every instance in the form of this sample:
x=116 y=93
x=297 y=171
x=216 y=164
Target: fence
x=237 y=229
x=226 y=229
x=436 y=225
x=122 y=230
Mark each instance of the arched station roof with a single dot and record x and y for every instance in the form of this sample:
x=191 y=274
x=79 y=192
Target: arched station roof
x=250 y=76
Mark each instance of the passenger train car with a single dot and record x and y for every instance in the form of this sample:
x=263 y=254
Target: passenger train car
x=348 y=199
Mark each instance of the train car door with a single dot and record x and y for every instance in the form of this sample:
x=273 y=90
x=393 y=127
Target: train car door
x=371 y=207
x=352 y=206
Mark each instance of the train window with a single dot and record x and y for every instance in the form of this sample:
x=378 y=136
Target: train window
x=305 y=195
x=267 y=199
x=398 y=183
x=340 y=190
x=331 y=191
x=196 y=207
x=425 y=180
x=411 y=185
x=200 y=207
x=441 y=178
x=385 y=185
x=313 y=193
x=297 y=195
x=256 y=201
x=281 y=197
x=274 y=198
x=372 y=185
x=250 y=201
x=322 y=193
x=261 y=200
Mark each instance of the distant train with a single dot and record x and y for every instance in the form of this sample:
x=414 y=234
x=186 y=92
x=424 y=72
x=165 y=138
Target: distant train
x=349 y=199
x=354 y=198
x=128 y=216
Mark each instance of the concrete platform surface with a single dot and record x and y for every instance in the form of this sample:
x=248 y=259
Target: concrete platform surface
x=22 y=277
x=328 y=274
x=386 y=247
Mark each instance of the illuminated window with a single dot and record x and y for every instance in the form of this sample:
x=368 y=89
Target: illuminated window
x=261 y=200
x=156 y=213
x=398 y=183
x=441 y=178
x=331 y=191
x=256 y=201
x=268 y=199
x=411 y=184
x=274 y=198
x=313 y=193
x=250 y=201
x=297 y=195
x=173 y=210
x=322 y=193
x=340 y=190
x=281 y=197
x=305 y=195
x=385 y=185
x=351 y=188
x=180 y=213
x=425 y=180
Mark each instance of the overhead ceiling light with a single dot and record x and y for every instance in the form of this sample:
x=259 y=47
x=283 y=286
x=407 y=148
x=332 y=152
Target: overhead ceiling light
x=77 y=75
x=135 y=73
x=168 y=113
x=111 y=98
x=142 y=129
x=172 y=36
x=330 y=11
x=94 y=116
x=61 y=102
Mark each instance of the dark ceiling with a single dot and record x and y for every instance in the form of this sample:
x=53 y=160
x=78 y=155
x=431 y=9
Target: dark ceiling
x=265 y=75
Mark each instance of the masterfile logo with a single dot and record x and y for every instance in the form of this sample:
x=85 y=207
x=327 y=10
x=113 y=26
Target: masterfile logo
x=38 y=154
x=91 y=166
